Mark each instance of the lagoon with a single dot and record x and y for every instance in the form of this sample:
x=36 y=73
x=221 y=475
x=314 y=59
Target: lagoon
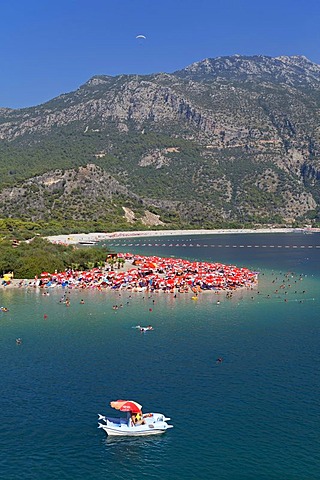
x=255 y=415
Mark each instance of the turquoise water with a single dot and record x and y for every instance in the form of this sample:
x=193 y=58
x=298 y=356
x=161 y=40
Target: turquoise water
x=254 y=416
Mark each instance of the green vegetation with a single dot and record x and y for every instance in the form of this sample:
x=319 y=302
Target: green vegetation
x=209 y=146
x=30 y=259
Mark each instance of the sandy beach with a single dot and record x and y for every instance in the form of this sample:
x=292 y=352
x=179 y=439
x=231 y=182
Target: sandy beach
x=95 y=237
x=149 y=274
x=76 y=238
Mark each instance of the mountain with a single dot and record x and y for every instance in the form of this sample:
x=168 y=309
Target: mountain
x=228 y=140
x=295 y=70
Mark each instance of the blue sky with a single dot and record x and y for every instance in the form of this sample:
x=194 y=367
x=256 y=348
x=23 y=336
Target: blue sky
x=49 y=47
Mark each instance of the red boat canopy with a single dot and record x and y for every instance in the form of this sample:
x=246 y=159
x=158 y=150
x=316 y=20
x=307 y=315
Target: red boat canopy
x=126 y=406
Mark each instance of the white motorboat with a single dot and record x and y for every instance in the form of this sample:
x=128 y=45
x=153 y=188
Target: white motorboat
x=135 y=423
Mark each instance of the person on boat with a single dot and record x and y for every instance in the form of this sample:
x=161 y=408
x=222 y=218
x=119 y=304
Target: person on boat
x=138 y=419
x=133 y=419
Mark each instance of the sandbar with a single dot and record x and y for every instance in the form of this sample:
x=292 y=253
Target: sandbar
x=91 y=238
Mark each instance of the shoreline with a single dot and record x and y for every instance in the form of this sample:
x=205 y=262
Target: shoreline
x=148 y=274
x=95 y=237
x=92 y=238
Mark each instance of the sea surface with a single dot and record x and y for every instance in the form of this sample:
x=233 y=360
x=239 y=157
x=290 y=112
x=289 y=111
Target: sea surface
x=255 y=415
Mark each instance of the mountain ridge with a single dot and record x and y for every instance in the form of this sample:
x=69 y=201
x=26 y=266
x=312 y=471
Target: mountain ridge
x=230 y=139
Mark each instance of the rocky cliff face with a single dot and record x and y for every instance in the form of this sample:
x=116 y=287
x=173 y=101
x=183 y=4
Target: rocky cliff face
x=295 y=70
x=231 y=138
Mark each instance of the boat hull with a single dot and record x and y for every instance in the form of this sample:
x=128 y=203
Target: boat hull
x=153 y=424
x=142 y=433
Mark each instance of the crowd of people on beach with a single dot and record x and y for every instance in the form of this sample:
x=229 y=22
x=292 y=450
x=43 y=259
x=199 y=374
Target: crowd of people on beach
x=154 y=274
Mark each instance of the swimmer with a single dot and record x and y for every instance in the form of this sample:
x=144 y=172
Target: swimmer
x=145 y=329
x=219 y=360
x=18 y=341
x=82 y=301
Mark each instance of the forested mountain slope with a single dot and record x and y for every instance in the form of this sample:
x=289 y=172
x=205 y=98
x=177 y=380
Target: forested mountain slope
x=226 y=140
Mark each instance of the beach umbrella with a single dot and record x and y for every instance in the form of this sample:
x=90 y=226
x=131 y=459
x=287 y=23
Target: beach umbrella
x=126 y=406
x=150 y=265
